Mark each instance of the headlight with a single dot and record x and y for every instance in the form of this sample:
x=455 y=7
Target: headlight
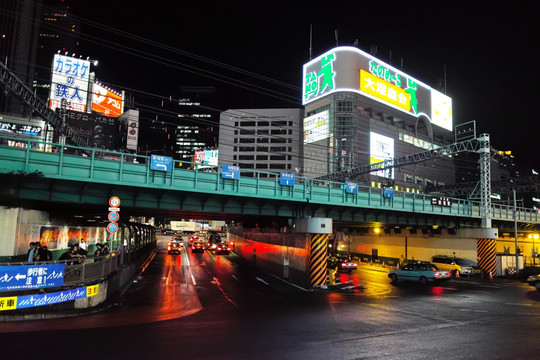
x=531 y=278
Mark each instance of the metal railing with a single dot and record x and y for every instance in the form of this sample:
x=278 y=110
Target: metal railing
x=102 y=166
x=88 y=270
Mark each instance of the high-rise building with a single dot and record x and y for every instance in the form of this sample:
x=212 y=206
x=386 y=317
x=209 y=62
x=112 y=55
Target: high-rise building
x=360 y=110
x=31 y=32
x=266 y=140
x=183 y=125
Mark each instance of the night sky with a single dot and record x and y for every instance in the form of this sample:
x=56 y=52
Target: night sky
x=488 y=49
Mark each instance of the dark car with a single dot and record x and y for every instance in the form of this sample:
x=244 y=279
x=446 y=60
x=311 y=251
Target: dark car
x=198 y=246
x=534 y=280
x=174 y=247
x=223 y=249
x=213 y=241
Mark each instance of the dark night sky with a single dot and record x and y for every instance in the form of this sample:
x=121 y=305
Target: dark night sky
x=487 y=47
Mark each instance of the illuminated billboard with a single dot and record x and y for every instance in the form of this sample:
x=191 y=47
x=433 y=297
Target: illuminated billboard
x=206 y=158
x=69 y=81
x=99 y=131
x=381 y=148
x=106 y=102
x=316 y=127
x=348 y=69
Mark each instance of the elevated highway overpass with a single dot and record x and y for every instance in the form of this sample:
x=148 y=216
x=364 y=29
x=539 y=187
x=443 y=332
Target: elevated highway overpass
x=68 y=177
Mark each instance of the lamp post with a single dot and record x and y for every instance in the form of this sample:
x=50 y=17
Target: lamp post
x=515 y=231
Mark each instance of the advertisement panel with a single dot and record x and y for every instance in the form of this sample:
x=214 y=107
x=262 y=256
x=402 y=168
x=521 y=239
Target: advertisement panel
x=106 y=102
x=70 y=80
x=131 y=119
x=381 y=149
x=352 y=70
x=100 y=131
x=316 y=127
x=206 y=158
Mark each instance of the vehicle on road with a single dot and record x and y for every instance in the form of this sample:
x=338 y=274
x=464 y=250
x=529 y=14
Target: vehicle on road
x=341 y=264
x=198 y=246
x=192 y=239
x=347 y=265
x=223 y=249
x=421 y=272
x=174 y=247
x=212 y=242
x=534 y=280
x=457 y=266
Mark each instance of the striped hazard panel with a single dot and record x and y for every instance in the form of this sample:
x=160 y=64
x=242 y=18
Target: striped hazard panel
x=318 y=259
x=487 y=255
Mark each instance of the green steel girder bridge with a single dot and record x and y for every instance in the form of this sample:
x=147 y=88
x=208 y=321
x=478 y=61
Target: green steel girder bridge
x=79 y=179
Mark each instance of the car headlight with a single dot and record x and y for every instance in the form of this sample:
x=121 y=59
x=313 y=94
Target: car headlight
x=531 y=278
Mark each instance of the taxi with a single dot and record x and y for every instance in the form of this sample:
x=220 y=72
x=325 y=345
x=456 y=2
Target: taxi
x=422 y=272
x=174 y=247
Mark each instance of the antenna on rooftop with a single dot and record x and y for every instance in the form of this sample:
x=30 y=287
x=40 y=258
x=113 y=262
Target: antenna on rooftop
x=310 y=40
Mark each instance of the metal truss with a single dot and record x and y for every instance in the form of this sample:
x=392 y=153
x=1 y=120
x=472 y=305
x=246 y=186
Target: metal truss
x=472 y=145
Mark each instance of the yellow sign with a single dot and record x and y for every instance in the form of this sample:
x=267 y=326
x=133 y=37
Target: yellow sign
x=92 y=290
x=8 y=303
x=383 y=90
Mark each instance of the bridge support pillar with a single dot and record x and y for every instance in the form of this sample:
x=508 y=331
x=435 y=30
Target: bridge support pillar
x=318 y=230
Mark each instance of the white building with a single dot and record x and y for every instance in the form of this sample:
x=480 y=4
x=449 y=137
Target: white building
x=266 y=140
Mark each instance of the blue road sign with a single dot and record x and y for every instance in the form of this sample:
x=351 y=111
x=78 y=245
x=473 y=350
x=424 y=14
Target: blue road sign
x=351 y=188
x=230 y=172
x=31 y=276
x=286 y=179
x=161 y=163
x=388 y=192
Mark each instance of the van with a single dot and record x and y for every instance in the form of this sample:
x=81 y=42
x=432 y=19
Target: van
x=457 y=266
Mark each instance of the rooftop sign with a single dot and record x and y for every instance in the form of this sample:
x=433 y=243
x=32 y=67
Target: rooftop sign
x=352 y=70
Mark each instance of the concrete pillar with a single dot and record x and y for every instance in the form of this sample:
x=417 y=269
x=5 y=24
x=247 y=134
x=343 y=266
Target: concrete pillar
x=318 y=230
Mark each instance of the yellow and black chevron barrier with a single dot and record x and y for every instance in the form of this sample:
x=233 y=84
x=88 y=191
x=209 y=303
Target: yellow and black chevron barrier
x=318 y=259
x=487 y=255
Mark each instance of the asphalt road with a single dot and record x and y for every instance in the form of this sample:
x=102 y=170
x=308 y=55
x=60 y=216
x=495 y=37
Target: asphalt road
x=203 y=306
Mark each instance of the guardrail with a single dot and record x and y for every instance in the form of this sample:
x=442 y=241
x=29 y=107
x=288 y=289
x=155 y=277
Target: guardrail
x=102 y=166
x=88 y=270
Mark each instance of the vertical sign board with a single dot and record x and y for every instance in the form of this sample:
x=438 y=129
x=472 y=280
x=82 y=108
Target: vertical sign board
x=286 y=179
x=70 y=81
x=230 y=172
x=161 y=163
x=351 y=188
x=19 y=277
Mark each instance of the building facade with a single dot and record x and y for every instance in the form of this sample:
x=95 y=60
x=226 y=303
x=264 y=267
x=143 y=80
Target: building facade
x=266 y=140
x=361 y=111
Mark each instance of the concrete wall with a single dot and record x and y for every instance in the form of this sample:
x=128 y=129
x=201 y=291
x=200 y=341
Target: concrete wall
x=282 y=254
x=407 y=245
x=21 y=226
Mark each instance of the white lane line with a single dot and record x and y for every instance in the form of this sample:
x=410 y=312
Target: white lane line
x=193 y=279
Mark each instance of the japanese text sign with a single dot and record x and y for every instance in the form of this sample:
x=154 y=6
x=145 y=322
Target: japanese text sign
x=31 y=276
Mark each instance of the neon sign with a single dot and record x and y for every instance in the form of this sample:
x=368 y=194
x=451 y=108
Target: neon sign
x=349 y=69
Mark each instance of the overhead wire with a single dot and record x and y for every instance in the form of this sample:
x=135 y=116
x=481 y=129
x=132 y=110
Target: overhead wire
x=184 y=67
